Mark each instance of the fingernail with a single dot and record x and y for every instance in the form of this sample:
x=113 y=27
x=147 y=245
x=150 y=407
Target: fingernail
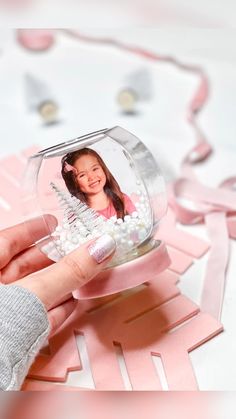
x=103 y=247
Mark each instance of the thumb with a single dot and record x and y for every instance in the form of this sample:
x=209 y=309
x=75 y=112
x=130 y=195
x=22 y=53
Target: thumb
x=71 y=272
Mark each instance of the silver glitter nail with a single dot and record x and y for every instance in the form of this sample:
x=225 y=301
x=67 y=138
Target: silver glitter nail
x=103 y=247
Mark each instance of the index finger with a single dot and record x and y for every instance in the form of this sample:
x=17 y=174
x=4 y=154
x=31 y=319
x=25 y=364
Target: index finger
x=15 y=239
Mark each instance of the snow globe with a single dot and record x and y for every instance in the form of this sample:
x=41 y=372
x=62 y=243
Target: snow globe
x=103 y=182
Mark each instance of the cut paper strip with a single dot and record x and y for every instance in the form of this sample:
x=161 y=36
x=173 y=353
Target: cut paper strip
x=185 y=242
x=151 y=321
x=11 y=172
x=9 y=192
x=14 y=166
x=180 y=262
x=173 y=348
x=36 y=385
x=63 y=343
x=10 y=208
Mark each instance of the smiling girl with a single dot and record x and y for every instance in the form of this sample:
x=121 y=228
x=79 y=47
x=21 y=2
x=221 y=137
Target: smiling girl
x=88 y=178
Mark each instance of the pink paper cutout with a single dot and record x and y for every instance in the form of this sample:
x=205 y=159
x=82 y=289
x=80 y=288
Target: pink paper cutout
x=180 y=262
x=181 y=240
x=10 y=191
x=138 y=334
x=13 y=166
x=36 y=385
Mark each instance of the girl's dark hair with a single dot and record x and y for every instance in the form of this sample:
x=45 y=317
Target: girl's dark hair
x=111 y=187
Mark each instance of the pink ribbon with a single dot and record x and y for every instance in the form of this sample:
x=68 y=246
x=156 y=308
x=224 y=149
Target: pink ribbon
x=217 y=208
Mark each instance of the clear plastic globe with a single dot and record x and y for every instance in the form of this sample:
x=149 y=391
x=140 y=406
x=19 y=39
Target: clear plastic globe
x=103 y=182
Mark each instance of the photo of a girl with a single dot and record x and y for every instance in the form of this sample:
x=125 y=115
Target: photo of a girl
x=87 y=177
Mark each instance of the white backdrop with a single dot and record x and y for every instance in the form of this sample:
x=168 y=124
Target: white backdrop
x=85 y=80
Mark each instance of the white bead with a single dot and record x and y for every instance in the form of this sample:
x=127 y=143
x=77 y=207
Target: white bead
x=142 y=233
x=123 y=227
x=119 y=221
x=117 y=237
x=127 y=218
x=134 y=214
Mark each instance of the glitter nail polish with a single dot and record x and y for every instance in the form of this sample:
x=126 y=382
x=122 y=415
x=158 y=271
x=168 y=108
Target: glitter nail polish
x=101 y=248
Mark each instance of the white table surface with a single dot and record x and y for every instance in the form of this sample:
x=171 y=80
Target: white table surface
x=85 y=80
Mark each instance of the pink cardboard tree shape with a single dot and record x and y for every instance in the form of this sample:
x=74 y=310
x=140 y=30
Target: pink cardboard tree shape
x=143 y=324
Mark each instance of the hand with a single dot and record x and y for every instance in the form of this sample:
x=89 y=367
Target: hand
x=22 y=264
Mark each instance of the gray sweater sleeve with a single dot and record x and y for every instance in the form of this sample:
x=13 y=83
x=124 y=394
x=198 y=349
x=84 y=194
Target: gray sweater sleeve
x=24 y=328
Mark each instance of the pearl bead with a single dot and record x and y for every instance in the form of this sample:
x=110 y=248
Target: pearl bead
x=117 y=237
x=123 y=227
x=142 y=234
x=66 y=226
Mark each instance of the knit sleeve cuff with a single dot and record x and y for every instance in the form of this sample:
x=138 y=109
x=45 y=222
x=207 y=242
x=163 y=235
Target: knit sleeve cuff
x=24 y=328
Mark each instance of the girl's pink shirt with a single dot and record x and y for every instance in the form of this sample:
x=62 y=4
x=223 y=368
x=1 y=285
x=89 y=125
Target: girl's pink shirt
x=110 y=210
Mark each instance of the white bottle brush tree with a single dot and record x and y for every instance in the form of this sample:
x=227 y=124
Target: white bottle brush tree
x=80 y=223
